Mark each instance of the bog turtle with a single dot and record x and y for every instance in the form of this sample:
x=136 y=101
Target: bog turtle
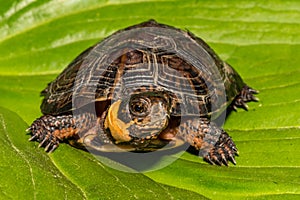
x=140 y=89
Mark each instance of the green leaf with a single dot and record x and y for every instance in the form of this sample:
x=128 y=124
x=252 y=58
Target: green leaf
x=261 y=39
x=29 y=173
x=25 y=172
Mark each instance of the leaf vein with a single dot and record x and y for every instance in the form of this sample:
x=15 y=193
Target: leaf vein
x=20 y=154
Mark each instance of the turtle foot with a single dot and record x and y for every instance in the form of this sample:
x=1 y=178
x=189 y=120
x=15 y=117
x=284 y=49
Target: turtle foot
x=212 y=143
x=223 y=152
x=50 y=130
x=246 y=95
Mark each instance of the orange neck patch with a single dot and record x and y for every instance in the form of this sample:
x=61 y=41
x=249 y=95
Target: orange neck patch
x=117 y=127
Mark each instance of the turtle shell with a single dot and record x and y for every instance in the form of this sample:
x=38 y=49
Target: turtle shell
x=146 y=57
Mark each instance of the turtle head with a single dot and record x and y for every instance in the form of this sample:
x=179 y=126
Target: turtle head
x=141 y=117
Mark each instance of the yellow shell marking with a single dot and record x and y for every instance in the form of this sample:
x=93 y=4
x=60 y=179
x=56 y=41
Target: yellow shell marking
x=117 y=127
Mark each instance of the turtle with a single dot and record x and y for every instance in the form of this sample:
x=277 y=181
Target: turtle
x=141 y=89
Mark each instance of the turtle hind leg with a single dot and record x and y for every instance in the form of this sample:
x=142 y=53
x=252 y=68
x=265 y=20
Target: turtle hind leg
x=49 y=130
x=246 y=95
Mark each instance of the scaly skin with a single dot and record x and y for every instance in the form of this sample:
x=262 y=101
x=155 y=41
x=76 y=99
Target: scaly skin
x=50 y=130
x=215 y=146
x=213 y=143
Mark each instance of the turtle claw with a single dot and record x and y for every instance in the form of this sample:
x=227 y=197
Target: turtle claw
x=208 y=159
x=51 y=147
x=231 y=159
x=235 y=150
x=254 y=98
x=43 y=142
x=49 y=142
x=50 y=130
x=216 y=160
x=252 y=90
x=224 y=160
x=213 y=160
x=246 y=95
x=220 y=160
x=47 y=147
x=244 y=106
x=223 y=152
x=34 y=137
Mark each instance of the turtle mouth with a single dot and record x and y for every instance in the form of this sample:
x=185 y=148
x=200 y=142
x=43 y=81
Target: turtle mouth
x=148 y=143
x=151 y=136
x=138 y=131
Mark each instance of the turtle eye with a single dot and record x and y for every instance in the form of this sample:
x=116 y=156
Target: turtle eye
x=140 y=106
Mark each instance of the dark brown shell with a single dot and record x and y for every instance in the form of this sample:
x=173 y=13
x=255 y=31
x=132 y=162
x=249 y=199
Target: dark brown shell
x=180 y=63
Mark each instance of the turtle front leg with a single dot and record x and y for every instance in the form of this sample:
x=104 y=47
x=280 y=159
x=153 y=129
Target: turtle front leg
x=212 y=142
x=82 y=131
x=49 y=130
x=223 y=151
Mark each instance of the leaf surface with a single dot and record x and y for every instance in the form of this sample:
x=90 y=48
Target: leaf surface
x=261 y=39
